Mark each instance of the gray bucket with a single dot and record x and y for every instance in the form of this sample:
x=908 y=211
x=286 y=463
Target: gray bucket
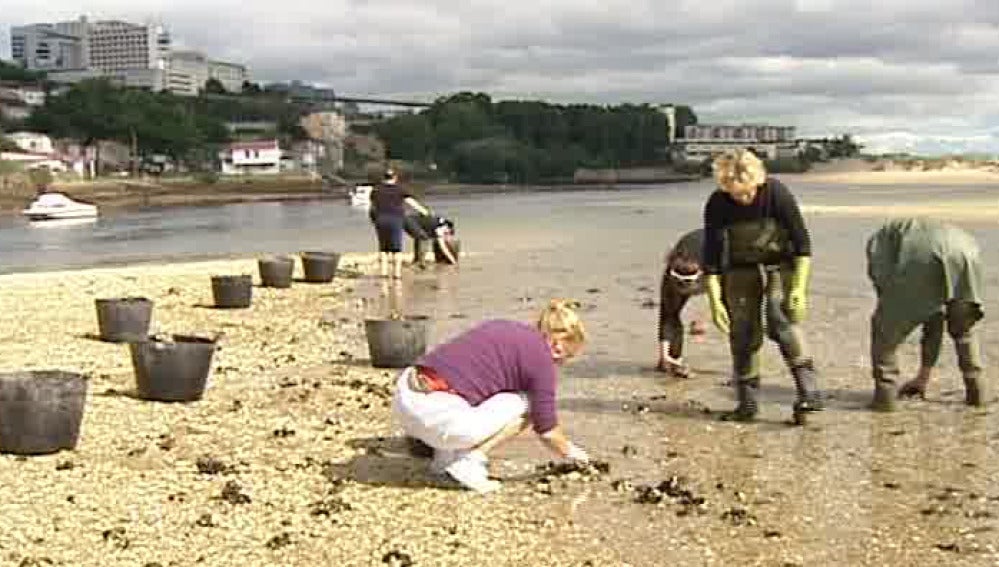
x=320 y=267
x=232 y=292
x=172 y=371
x=275 y=271
x=396 y=343
x=123 y=319
x=41 y=411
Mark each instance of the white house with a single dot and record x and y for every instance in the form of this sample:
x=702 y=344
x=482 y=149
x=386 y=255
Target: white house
x=251 y=158
x=31 y=95
x=33 y=160
x=32 y=142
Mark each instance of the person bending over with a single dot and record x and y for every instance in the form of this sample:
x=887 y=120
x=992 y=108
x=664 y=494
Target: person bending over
x=682 y=278
x=425 y=228
x=485 y=386
x=924 y=273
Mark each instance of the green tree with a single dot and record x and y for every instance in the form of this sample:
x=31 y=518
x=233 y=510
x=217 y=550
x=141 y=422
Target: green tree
x=10 y=71
x=214 y=86
x=154 y=123
x=408 y=137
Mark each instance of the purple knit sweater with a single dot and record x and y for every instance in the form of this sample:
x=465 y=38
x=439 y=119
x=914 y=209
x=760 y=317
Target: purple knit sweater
x=500 y=356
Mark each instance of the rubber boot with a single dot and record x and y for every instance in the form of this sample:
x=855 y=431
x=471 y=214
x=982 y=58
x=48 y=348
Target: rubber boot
x=884 y=398
x=973 y=395
x=419 y=254
x=809 y=397
x=746 y=390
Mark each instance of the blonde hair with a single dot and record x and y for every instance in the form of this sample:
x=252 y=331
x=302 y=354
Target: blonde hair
x=738 y=167
x=558 y=320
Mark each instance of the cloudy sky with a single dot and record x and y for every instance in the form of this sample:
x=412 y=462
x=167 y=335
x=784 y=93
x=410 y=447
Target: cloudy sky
x=914 y=75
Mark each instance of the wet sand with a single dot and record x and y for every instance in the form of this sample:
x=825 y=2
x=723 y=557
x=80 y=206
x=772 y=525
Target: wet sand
x=303 y=419
x=970 y=176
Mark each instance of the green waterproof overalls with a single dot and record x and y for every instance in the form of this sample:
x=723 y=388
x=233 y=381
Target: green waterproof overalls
x=925 y=273
x=756 y=280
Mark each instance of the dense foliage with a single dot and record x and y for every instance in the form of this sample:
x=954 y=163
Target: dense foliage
x=470 y=138
x=10 y=71
x=188 y=129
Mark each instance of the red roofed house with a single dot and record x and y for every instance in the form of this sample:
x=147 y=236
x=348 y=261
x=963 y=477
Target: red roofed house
x=251 y=158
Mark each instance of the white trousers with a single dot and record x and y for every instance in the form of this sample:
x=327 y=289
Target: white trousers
x=446 y=421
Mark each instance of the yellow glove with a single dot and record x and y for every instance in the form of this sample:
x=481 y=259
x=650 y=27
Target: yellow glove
x=797 y=297
x=719 y=314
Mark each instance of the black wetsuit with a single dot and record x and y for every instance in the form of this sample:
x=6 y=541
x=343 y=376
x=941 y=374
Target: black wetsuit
x=674 y=292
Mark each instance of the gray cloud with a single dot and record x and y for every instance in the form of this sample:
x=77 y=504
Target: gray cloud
x=902 y=73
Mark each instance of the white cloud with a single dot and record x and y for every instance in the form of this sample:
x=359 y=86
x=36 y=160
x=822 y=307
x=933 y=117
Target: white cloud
x=905 y=72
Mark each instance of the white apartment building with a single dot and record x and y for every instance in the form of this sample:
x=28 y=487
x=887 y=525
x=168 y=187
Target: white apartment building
x=231 y=75
x=107 y=46
x=134 y=55
x=115 y=46
x=704 y=141
x=186 y=72
x=44 y=47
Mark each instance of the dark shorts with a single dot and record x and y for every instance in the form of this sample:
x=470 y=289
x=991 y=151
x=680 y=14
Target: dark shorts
x=389 y=231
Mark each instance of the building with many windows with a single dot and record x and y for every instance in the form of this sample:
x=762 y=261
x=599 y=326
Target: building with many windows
x=704 y=141
x=135 y=55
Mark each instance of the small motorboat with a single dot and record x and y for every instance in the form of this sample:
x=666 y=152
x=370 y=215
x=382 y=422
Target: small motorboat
x=56 y=206
x=360 y=196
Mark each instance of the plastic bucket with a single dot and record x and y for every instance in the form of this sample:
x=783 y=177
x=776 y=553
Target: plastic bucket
x=275 y=271
x=396 y=343
x=173 y=370
x=41 y=411
x=123 y=319
x=232 y=292
x=320 y=267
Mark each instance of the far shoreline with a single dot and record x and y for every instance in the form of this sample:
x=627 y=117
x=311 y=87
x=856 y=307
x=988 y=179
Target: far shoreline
x=118 y=195
x=126 y=194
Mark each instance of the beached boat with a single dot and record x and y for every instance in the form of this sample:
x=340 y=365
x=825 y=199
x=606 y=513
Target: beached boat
x=56 y=206
x=360 y=196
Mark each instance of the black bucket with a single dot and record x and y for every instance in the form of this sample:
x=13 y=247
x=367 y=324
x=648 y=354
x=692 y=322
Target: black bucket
x=396 y=343
x=41 y=411
x=320 y=267
x=232 y=292
x=124 y=319
x=275 y=271
x=173 y=370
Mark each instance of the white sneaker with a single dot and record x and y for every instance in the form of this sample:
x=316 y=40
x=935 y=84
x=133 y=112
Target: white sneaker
x=442 y=460
x=469 y=469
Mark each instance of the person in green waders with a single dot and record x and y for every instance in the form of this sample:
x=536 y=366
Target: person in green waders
x=925 y=273
x=757 y=261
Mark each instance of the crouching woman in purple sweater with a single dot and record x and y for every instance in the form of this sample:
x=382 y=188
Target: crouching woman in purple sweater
x=486 y=386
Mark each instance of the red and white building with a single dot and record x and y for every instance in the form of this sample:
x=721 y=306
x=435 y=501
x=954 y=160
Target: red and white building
x=258 y=157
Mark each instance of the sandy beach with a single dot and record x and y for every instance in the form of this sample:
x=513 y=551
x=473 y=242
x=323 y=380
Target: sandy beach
x=309 y=469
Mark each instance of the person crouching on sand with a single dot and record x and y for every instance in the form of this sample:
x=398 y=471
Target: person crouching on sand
x=683 y=278
x=487 y=385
